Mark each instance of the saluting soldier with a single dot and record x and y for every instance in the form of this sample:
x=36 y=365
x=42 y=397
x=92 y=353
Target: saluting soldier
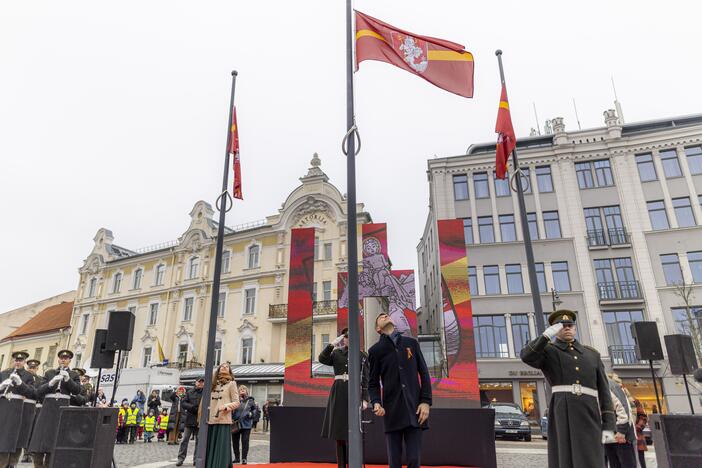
x=577 y=426
x=17 y=382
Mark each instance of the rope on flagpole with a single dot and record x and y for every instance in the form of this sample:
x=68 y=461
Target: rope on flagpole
x=513 y=181
x=226 y=199
x=352 y=131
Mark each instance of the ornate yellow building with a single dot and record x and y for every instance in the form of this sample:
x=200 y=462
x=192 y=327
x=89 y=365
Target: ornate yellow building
x=168 y=286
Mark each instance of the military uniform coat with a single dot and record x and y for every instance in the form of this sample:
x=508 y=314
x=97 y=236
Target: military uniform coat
x=405 y=377
x=575 y=422
x=26 y=388
x=336 y=416
x=70 y=387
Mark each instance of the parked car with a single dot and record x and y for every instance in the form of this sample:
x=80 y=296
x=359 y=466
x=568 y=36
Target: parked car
x=544 y=425
x=510 y=421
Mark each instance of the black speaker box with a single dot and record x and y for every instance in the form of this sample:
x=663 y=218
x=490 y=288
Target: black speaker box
x=102 y=357
x=648 y=343
x=85 y=438
x=678 y=440
x=120 y=330
x=681 y=354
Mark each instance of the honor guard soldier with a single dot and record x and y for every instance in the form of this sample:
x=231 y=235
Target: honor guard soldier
x=86 y=387
x=17 y=383
x=577 y=426
x=33 y=368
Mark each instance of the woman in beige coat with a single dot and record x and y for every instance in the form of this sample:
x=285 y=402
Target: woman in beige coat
x=224 y=400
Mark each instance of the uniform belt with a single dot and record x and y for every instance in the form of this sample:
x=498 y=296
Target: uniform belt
x=344 y=377
x=12 y=396
x=575 y=389
x=57 y=395
x=31 y=402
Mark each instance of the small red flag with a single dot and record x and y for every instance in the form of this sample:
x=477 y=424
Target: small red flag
x=506 y=141
x=443 y=63
x=234 y=150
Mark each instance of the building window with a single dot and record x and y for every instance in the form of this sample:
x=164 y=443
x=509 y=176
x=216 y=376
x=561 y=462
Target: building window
x=226 y=257
x=618 y=330
x=254 y=255
x=460 y=187
x=552 y=225
x=314 y=292
x=147 y=357
x=490 y=336
x=683 y=212
x=188 y=309
x=138 y=273
x=193 y=265
x=647 y=170
x=124 y=360
x=218 y=352
x=84 y=324
x=509 y=233
x=543 y=179
x=246 y=350
x=540 y=277
x=250 y=301
x=561 y=280
x=533 y=226
x=514 y=279
x=37 y=354
x=92 y=287
x=153 y=314
x=656 y=212
x=671 y=165
x=694 y=159
x=468 y=230
x=525 y=179
x=325 y=340
x=221 y=304
x=328 y=251
x=487 y=235
x=316 y=248
x=160 y=273
x=473 y=280
x=671 y=269
x=326 y=290
x=182 y=354
x=492 y=279
x=520 y=331
x=615 y=278
x=480 y=183
x=688 y=320
x=501 y=185
x=603 y=173
x=583 y=170
x=695 y=261
x=116 y=283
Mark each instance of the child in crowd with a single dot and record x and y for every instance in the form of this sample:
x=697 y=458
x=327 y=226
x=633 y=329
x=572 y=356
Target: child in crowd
x=149 y=426
x=122 y=422
x=162 y=425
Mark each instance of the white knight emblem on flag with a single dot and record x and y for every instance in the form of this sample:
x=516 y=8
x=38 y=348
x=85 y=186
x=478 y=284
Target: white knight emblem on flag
x=412 y=50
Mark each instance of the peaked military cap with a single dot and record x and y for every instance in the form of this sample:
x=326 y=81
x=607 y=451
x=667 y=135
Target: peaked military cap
x=32 y=363
x=22 y=355
x=564 y=316
x=80 y=371
x=65 y=353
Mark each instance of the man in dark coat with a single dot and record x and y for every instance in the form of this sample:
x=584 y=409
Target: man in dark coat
x=20 y=383
x=190 y=404
x=577 y=427
x=398 y=362
x=622 y=453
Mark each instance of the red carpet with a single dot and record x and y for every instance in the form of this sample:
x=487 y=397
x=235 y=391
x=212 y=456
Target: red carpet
x=315 y=465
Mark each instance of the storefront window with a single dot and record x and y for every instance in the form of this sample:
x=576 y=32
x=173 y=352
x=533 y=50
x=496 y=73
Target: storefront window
x=529 y=400
x=494 y=392
x=642 y=390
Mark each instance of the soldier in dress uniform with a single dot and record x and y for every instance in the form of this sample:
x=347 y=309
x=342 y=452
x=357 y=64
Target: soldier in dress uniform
x=33 y=368
x=86 y=387
x=20 y=383
x=577 y=426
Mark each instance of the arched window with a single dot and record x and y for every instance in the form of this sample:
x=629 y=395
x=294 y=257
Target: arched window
x=193 y=265
x=138 y=274
x=254 y=256
x=116 y=282
x=159 y=274
x=92 y=287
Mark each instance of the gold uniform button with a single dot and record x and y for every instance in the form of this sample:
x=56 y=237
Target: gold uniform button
x=575 y=357
x=577 y=368
x=577 y=381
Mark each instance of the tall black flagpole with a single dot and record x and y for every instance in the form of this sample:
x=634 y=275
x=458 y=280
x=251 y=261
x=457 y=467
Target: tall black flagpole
x=211 y=335
x=533 y=281
x=355 y=448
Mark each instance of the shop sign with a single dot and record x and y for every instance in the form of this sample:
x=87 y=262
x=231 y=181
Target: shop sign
x=525 y=373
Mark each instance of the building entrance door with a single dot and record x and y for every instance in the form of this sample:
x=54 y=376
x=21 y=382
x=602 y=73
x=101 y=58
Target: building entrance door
x=529 y=399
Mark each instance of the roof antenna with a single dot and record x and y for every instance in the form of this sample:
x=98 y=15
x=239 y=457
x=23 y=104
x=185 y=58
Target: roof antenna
x=536 y=118
x=576 y=114
x=617 y=105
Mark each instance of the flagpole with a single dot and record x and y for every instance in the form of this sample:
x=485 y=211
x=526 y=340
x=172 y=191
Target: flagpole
x=211 y=336
x=531 y=266
x=355 y=445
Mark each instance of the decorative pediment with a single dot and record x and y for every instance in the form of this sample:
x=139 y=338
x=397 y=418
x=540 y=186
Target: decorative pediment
x=148 y=337
x=193 y=241
x=313 y=212
x=247 y=326
x=183 y=332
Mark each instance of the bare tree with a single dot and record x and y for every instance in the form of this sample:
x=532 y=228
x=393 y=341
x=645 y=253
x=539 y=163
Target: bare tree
x=685 y=292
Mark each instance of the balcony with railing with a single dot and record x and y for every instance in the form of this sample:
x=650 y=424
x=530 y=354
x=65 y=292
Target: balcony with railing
x=319 y=308
x=614 y=237
x=624 y=355
x=619 y=291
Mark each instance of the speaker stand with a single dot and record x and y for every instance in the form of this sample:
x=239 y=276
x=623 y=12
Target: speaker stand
x=689 y=398
x=119 y=361
x=97 y=387
x=655 y=386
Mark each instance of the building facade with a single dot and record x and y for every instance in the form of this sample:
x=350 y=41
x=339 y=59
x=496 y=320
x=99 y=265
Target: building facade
x=168 y=287
x=615 y=217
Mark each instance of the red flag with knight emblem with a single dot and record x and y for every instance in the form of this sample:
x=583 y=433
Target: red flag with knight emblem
x=506 y=140
x=234 y=150
x=443 y=63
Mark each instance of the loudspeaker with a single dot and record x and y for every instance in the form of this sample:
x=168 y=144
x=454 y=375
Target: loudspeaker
x=648 y=343
x=120 y=330
x=678 y=440
x=102 y=357
x=681 y=354
x=85 y=438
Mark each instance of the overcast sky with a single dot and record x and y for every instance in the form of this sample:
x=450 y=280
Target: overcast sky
x=114 y=114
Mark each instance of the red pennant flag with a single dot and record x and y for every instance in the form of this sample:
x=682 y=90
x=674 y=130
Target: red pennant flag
x=443 y=63
x=234 y=150
x=506 y=141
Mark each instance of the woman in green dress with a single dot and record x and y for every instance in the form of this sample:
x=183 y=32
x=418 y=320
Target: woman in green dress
x=224 y=400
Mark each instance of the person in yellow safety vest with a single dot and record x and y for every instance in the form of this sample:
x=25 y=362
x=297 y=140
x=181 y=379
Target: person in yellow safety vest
x=163 y=425
x=122 y=423
x=149 y=423
x=133 y=419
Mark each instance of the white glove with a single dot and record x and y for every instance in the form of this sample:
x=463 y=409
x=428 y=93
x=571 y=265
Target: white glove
x=337 y=341
x=16 y=379
x=608 y=437
x=64 y=374
x=553 y=330
x=55 y=380
x=6 y=383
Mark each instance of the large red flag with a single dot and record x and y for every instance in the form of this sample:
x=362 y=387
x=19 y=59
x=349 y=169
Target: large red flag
x=506 y=141
x=234 y=150
x=443 y=63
